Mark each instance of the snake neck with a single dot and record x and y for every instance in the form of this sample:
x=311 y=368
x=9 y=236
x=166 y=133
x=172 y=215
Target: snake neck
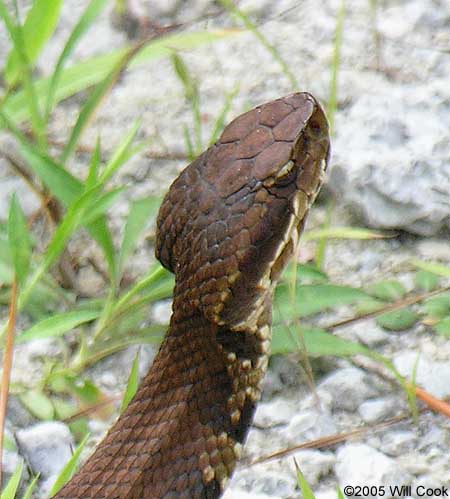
x=180 y=436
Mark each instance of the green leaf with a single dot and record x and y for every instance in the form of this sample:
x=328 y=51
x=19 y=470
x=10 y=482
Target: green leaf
x=71 y=221
x=69 y=469
x=231 y=7
x=57 y=325
x=92 y=11
x=121 y=154
x=192 y=95
x=100 y=232
x=307 y=493
x=437 y=307
x=10 y=490
x=94 y=164
x=219 y=123
x=342 y=233
x=368 y=306
x=388 y=290
x=434 y=268
x=336 y=65
x=84 y=389
x=102 y=204
x=182 y=71
x=90 y=72
x=93 y=101
x=38 y=404
x=427 y=281
x=140 y=212
x=132 y=385
x=63 y=185
x=9 y=443
x=443 y=327
x=158 y=280
x=304 y=273
x=317 y=342
x=39 y=25
x=397 y=320
x=19 y=240
x=30 y=489
x=30 y=97
x=312 y=298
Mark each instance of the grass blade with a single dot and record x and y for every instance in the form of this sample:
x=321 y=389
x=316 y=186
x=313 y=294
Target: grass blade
x=13 y=484
x=121 y=155
x=220 y=120
x=69 y=469
x=343 y=233
x=89 y=15
x=19 y=241
x=29 y=492
x=102 y=204
x=434 y=268
x=313 y=298
x=307 y=493
x=65 y=187
x=229 y=5
x=192 y=95
x=38 y=403
x=71 y=221
x=335 y=66
x=57 y=325
x=38 y=27
x=94 y=100
x=140 y=212
x=30 y=96
x=94 y=165
x=83 y=75
x=132 y=385
x=318 y=342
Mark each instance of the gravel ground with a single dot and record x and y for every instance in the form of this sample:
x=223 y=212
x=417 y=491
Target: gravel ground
x=390 y=169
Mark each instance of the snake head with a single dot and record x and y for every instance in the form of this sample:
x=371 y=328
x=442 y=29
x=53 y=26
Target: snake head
x=233 y=217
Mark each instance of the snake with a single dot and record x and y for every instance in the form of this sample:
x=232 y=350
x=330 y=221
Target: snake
x=227 y=227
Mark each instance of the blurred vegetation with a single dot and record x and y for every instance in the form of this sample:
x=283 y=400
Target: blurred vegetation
x=89 y=328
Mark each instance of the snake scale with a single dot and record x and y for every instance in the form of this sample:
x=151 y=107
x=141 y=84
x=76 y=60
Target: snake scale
x=226 y=229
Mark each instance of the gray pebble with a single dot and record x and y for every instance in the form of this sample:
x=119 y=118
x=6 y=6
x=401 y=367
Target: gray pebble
x=431 y=375
x=361 y=465
x=47 y=447
x=376 y=410
x=348 y=387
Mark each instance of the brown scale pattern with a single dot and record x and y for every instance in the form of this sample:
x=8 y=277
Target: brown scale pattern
x=226 y=228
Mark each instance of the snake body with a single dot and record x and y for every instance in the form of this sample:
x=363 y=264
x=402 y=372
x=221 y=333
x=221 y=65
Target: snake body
x=226 y=228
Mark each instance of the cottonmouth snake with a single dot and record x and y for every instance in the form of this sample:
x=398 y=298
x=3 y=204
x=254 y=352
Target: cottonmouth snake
x=226 y=228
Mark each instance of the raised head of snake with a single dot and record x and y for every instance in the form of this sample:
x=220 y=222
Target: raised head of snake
x=226 y=229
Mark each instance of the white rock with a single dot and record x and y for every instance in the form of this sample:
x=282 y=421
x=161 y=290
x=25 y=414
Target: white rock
x=47 y=447
x=273 y=413
x=373 y=411
x=361 y=465
x=266 y=482
x=314 y=465
x=309 y=425
x=232 y=493
x=398 y=443
x=391 y=172
x=433 y=376
x=349 y=387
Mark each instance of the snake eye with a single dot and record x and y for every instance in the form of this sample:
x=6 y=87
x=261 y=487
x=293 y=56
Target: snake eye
x=286 y=174
x=285 y=170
